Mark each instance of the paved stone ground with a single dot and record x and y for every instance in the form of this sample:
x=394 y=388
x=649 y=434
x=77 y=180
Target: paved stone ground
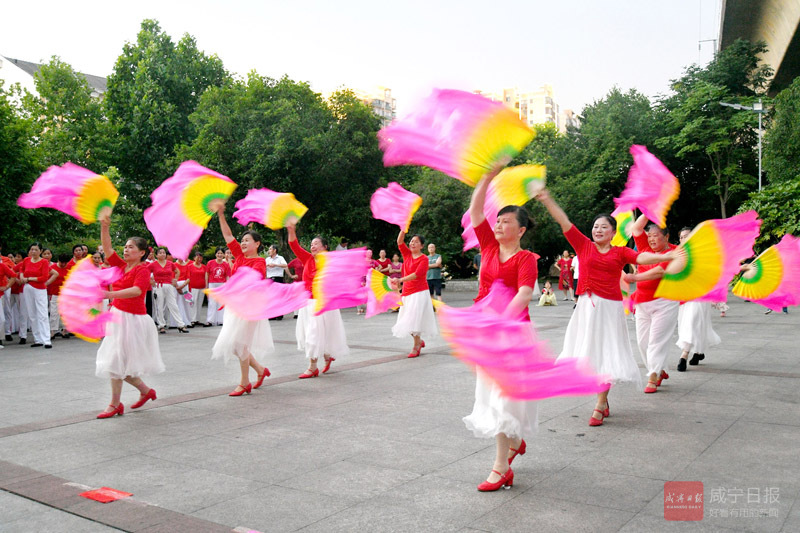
x=378 y=444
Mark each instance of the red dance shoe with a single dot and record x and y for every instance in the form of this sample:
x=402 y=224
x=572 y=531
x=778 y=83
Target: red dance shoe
x=595 y=421
x=606 y=412
x=520 y=451
x=506 y=481
x=662 y=377
x=305 y=375
x=265 y=374
x=151 y=395
x=651 y=387
x=422 y=345
x=240 y=390
x=328 y=364
x=118 y=410
x=414 y=353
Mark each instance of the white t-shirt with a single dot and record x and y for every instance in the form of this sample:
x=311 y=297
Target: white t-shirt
x=277 y=271
x=575 y=267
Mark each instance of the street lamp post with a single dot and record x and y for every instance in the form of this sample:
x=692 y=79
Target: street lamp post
x=757 y=107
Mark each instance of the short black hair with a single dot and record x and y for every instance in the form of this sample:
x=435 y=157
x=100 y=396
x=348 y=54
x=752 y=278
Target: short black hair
x=611 y=220
x=521 y=213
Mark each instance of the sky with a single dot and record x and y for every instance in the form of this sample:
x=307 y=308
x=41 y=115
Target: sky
x=583 y=48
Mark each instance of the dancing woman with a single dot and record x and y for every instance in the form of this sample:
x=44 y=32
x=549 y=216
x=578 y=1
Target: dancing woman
x=565 y=275
x=597 y=329
x=317 y=335
x=218 y=273
x=130 y=348
x=34 y=272
x=416 y=314
x=502 y=258
x=248 y=341
x=695 y=333
x=198 y=281
x=165 y=275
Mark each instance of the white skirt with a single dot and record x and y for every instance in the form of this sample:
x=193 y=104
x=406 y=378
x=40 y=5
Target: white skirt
x=239 y=338
x=695 y=333
x=130 y=347
x=321 y=335
x=598 y=331
x=416 y=316
x=494 y=413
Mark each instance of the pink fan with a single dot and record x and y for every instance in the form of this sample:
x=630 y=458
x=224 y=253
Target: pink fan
x=182 y=206
x=80 y=302
x=380 y=295
x=269 y=208
x=338 y=280
x=461 y=134
x=773 y=278
x=508 y=351
x=651 y=187
x=395 y=205
x=71 y=189
x=251 y=297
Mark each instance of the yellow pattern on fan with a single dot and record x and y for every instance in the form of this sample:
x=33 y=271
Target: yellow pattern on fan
x=95 y=194
x=201 y=191
x=697 y=270
x=283 y=207
x=762 y=278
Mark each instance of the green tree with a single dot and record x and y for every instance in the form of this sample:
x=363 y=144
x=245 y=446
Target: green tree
x=782 y=140
x=777 y=207
x=713 y=143
x=67 y=123
x=155 y=86
x=18 y=169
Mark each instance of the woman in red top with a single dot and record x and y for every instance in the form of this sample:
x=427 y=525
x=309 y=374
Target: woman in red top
x=597 y=329
x=502 y=258
x=383 y=263
x=416 y=314
x=165 y=279
x=53 y=290
x=317 y=335
x=198 y=282
x=34 y=272
x=185 y=305
x=565 y=275
x=248 y=341
x=130 y=348
x=7 y=275
x=218 y=273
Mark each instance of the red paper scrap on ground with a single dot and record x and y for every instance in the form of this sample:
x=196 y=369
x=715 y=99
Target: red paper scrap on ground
x=105 y=494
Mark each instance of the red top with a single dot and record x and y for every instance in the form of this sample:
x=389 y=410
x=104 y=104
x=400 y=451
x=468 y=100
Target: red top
x=55 y=287
x=183 y=271
x=256 y=263
x=163 y=274
x=37 y=272
x=138 y=276
x=419 y=266
x=599 y=272
x=218 y=272
x=71 y=263
x=5 y=273
x=297 y=265
x=519 y=270
x=383 y=263
x=646 y=290
x=309 y=269
x=197 y=275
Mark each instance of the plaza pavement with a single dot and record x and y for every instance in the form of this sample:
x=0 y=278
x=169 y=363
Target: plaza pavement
x=378 y=443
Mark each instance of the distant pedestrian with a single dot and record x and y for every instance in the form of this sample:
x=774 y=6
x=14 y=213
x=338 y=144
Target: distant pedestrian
x=434 y=275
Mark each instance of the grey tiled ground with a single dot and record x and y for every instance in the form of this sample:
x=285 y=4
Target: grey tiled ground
x=382 y=447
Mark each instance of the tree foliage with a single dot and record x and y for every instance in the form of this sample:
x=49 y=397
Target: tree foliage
x=782 y=140
x=777 y=207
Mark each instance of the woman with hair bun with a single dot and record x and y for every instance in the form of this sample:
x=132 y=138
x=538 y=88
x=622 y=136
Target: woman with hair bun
x=416 y=314
x=248 y=341
x=317 y=335
x=597 y=329
x=130 y=348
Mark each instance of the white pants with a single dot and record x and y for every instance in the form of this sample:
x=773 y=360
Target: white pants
x=36 y=306
x=55 y=318
x=197 y=298
x=22 y=315
x=185 y=306
x=214 y=315
x=655 y=322
x=166 y=299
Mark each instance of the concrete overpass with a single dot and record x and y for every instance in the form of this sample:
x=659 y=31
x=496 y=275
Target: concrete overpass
x=777 y=22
